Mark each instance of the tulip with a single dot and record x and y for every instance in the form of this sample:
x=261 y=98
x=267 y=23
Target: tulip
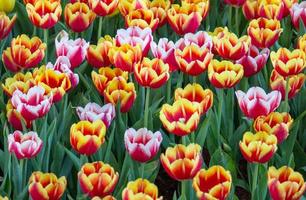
x=285 y=183
x=151 y=73
x=258 y=147
x=106 y=75
x=250 y=9
x=181 y=118
x=203 y=99
x=125 y=56
x=182 y=162
x=126 y=6
x=159 y=9
x=224 y=74
x=75 y=50
x=165 y=50
x=254 y=60
x=275 y=123
x=15 y=118
x=44 y=13
x=213 y=183
x=108 y=197
x=140 y=189
x=46 y=186
x=97 y=55
x=200 y=38
x=78 y=16
x=302 y=43
x=256 y=102
x=86 y=137
x=264 y=32
x=6 y=24
x=288 y=5
x=236 y=3
x=53 y=82
x=83 y=1
x=278 y=82
x=23 y=53
x=135 y=36
x=20 y=81
x=98 y=179
x=26 y=145
x=103 y=7
x=7 y=5
x=92 y=112
x=271 y=9
x=33 y=104
x=142 y=18
x=287 y=62
x=119 y=89
x=143 y=144
x=202 y=5
x=4 y=197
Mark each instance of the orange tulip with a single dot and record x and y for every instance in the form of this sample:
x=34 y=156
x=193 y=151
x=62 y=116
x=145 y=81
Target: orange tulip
x=151 y=73
x=15 y=118
x=140 y=189
x=44 y=13
x=271 y=9
x=159 y=9
x=182 y=162
x=302 y=43
x=142 y=18
x=258 y=147
x=105 y=75
x=264 y=32
x=181 y=118
x=78 y=16
x=103 y=7
x=6 y=24
x=203 y=99
x=119 y=90
x=275 y=123
x=20 y=81
x=224 y=74
x=98 y=179
x=213 y=183
x=126 y=6
x=86 y=137
x=287 y=62
x=285 y=183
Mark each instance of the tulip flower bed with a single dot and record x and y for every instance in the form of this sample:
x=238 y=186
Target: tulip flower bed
x=150 y=100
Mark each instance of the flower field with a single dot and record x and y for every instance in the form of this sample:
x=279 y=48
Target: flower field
x=152 y=99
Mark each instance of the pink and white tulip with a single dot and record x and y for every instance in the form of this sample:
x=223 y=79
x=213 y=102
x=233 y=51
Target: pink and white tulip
x=298 y=12
x=254 y=60
x=143 y=144
x=62 y=65
x=75 y=50
x=135 y=35
x=200 y=38
x=26 y=145
x=92 y=112
x=256 y=102
x=32 y=105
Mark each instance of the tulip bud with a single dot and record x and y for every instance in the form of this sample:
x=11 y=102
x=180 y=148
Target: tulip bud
x=6 y=24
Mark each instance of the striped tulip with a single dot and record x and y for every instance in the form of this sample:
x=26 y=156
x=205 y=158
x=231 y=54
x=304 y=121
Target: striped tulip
x=288 y=5
x=140 y=189
x=203 y=99
x=278 y=82
x=250 y=9
x=7 y=5
x=200 y=38
x=103 y=7
x=44 y=13
x=271 y=9
x=126 y=6
x=202 y=5
x=159 y=9
x=264 y=32
x=275 y=123
x=285 y=183
x=256 y=102
x=287 y=62
x=15 y=118
x=181 y=118
x=236 y=3
x=182 y=162
x=20 y=81
x=98 y=179
x=119 y=90
x=86 y=137
x=6 y=24
x=151 y=73
x=46 y=186
x=78 y=16
x=23 y=53
x=213 y=183
x=106 y=75
x=143 y=144
x=302 y=43
x=224 y=74
x=142 y=18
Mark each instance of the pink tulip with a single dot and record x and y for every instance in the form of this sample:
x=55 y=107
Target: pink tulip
x=254 y=60
x=256 y=102
x=135 y=35
x=200 y=38
x=62 y=65
x=32 y=105
x=143 y=144
x=165 y=50
x=236 y=3
x=92 y=112
x=26 y=145
x=298 y=12
x=75 y=50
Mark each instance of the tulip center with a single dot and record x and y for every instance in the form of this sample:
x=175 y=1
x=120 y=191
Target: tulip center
x=182 y=120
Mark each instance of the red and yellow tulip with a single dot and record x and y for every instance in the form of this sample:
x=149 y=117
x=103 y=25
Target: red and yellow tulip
x=250 y=9
x=159 y=9
x=142 y=18
x=302 y=43
x=203 y=5
x=20 y=81
x=126 y=6
x=6 y=24
x=271 y=9
x=103 y=7
x=15 y=118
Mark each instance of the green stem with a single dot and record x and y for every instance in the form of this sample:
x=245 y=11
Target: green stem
x=142 y=168
x=46 y=35
x=220 y=107
x=230 y=12
x=286 y=95
x=237 y=19
x=184 y=140
x=184 y=189
x=169 y=90
x=34 y=31
x=192 y=137
x=100 y=28
x=194 y=79
x=146 y=111
x=254 y=179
